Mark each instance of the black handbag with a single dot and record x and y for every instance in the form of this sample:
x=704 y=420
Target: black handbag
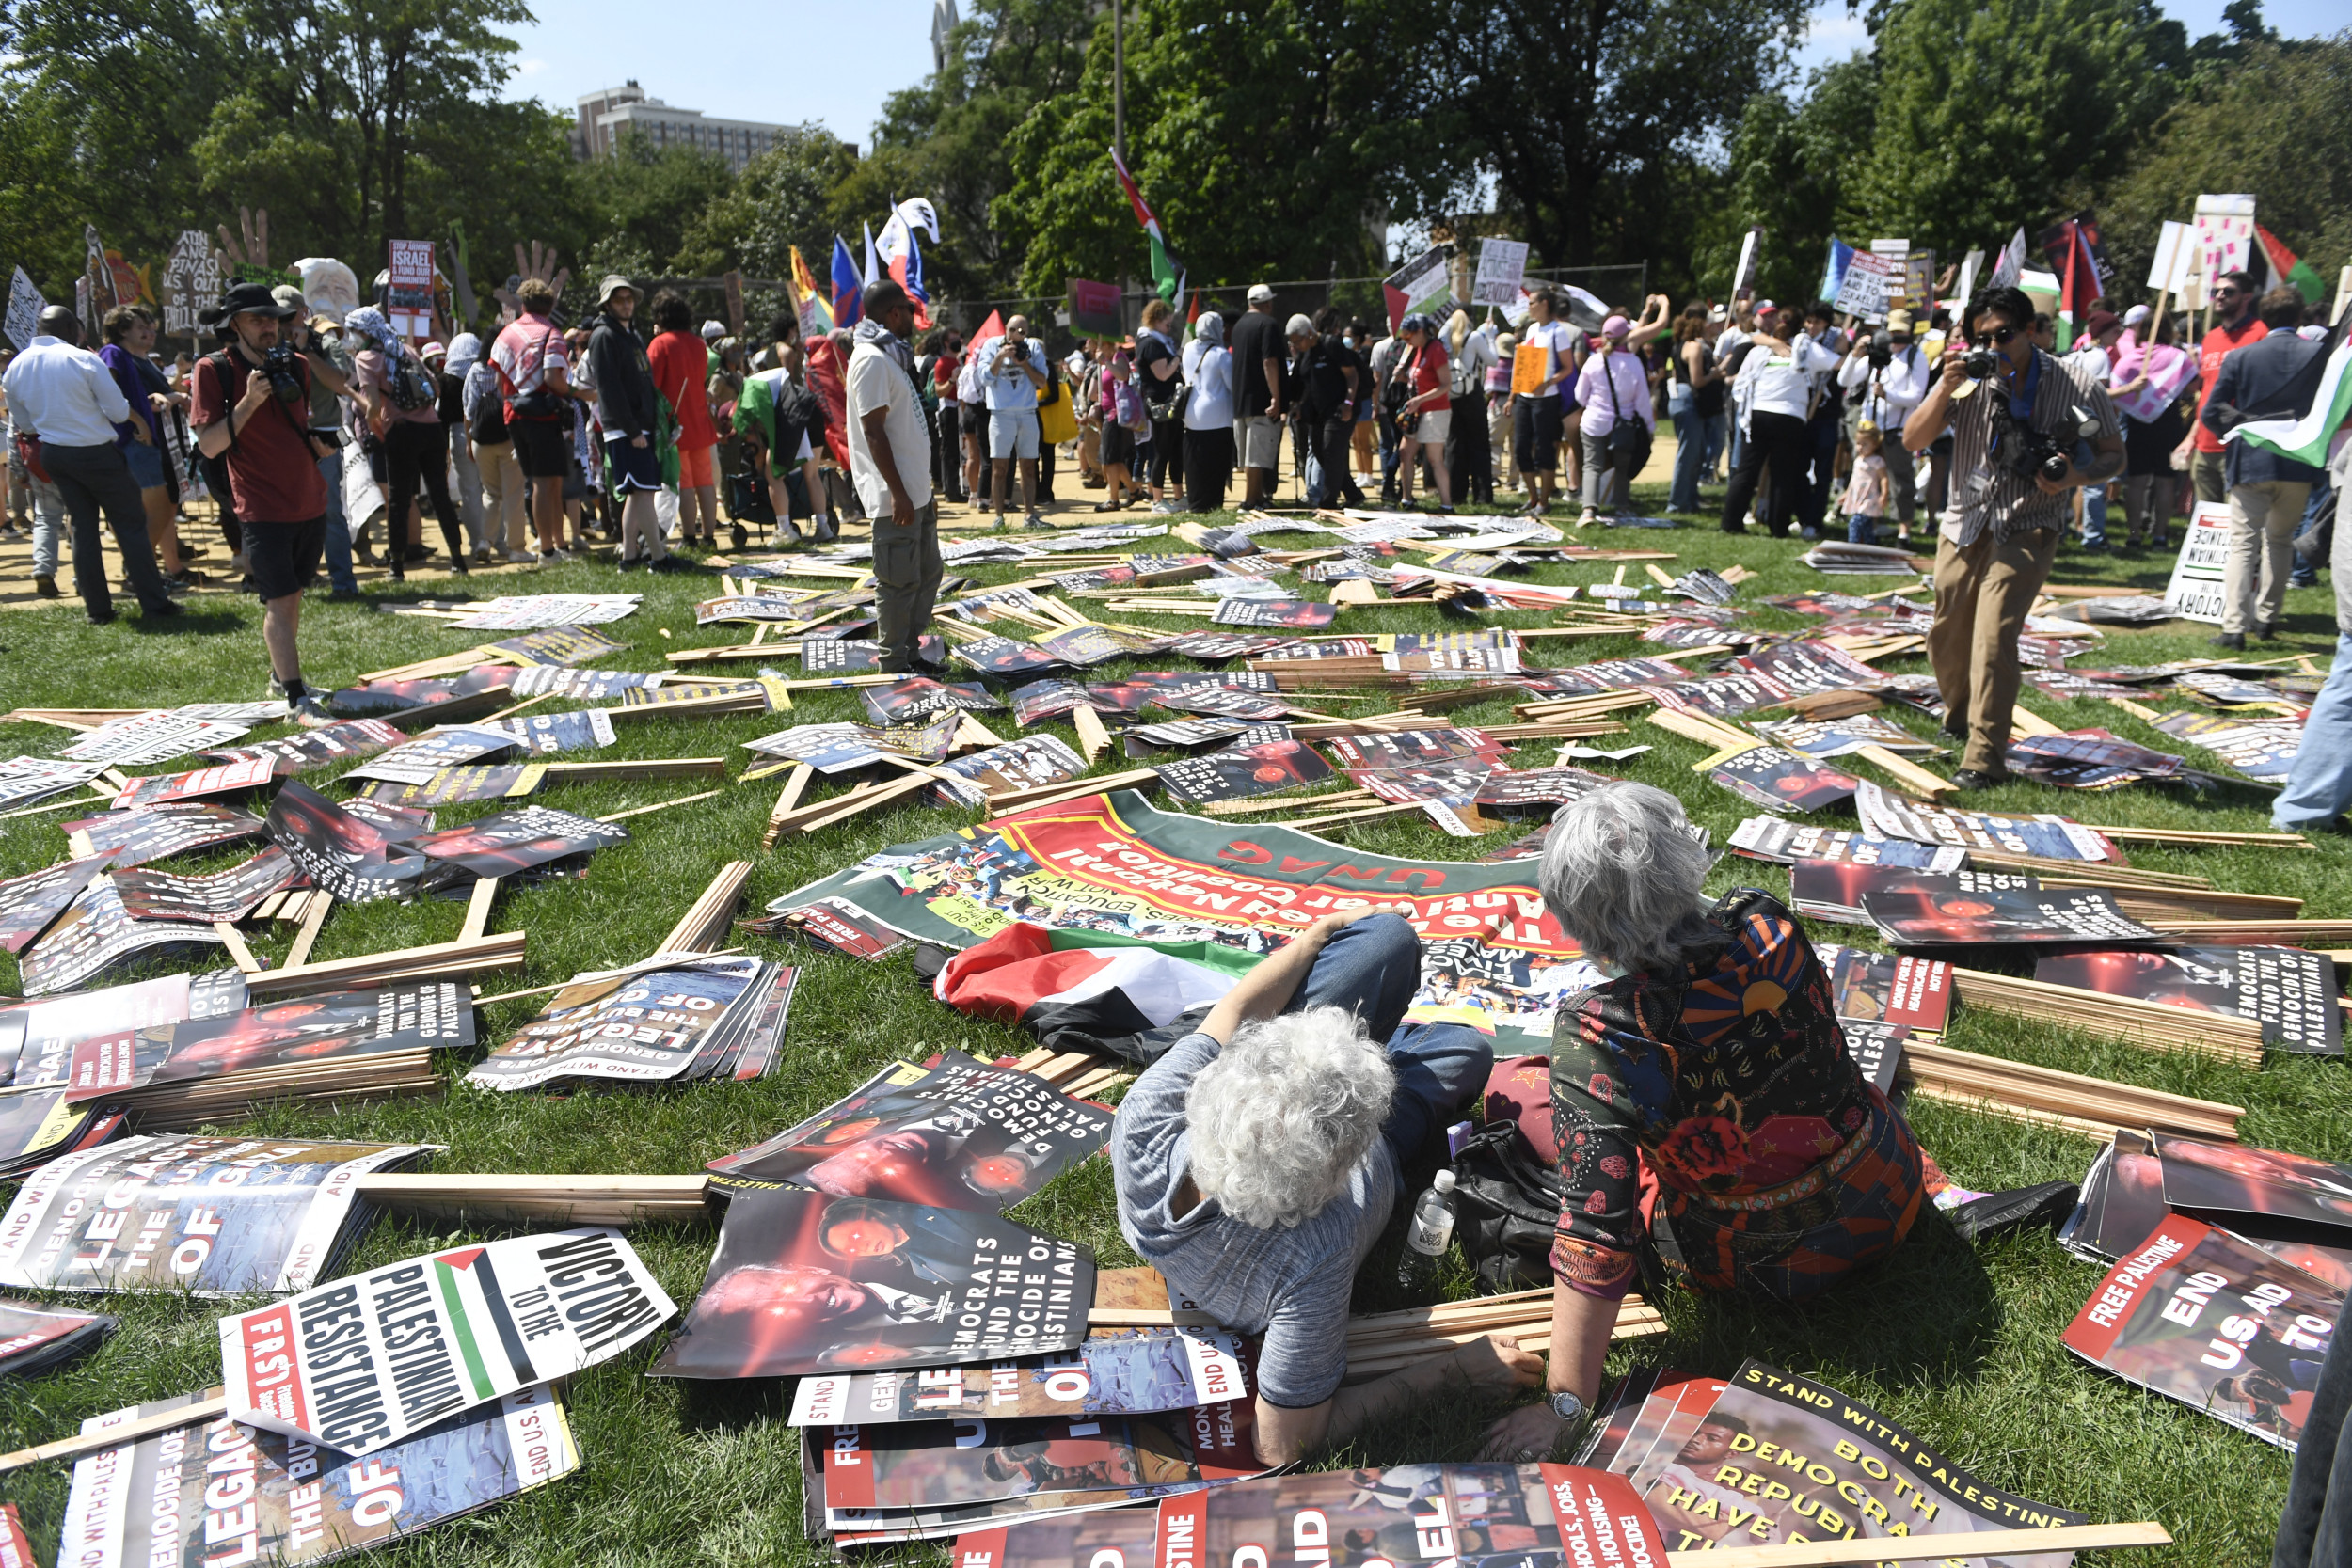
x=1628 y=437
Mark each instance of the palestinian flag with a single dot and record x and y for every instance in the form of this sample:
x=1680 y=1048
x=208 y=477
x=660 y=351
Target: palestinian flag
x=808 y=302
x=2298 y=421
x=1167 y=277
x=2273 y=263
x=1090 y=991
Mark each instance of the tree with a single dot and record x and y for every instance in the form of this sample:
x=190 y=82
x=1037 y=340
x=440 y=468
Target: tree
x=2278 y=124
x=97 y=124
x=1790 y=168
x=784 y=198
x=1990 y=112
x=1585 y=109
x=1271 y=142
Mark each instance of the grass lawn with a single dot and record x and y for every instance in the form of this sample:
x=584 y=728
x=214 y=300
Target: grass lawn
x=1959 y=1344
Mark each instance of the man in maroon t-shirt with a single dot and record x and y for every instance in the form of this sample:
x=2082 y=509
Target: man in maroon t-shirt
x=2235 y=324
x=257 y=415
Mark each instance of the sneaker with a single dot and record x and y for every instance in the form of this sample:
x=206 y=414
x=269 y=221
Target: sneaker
x=629 y=563
x=1972 y=778
x=1164 y=509
x=521 y=558
x=554 y=557
x=1588 y=518
x=308 y=713
x=2232 y=640
x=672 y=564
x=2265 y=630
x=167 y=607
x=45 y=584
x=345 y=596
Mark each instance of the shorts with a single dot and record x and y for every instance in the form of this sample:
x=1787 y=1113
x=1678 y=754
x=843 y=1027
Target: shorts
x=1436 y=423
x=631 y=466
x=694 y=470
x=1119 y=445
x=1012 y=433
x=542 y=446
x=1536 y=433
x=147 y=466
x=1258 y=438
x=282 y=558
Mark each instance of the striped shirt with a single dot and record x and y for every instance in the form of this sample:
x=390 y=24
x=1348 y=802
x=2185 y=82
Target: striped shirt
x=1985 y=491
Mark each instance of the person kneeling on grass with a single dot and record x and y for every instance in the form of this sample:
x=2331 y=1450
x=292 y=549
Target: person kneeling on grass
x=1257 y=1163
x=1711 y=1127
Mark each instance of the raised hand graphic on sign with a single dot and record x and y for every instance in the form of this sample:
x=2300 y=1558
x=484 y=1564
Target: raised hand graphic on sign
x=540 y=264
x=253 y=252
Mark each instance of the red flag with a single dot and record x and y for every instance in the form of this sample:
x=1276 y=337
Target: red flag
x=993 y=328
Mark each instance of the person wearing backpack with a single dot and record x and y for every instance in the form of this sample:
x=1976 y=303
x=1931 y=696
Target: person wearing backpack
x=504 y=491
x=1711 y=1128
x=399 y=396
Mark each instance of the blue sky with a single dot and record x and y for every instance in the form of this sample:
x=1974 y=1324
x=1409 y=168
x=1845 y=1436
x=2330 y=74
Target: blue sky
x=835 y=60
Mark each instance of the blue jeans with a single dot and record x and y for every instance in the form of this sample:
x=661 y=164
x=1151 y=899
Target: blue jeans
x=2319 y=789
x=338 y=531
x=1372 y=969
x=2315 y=535
x=2094 y=506
x=1861 y=529
x=2315 y=1528
x=1697 y=440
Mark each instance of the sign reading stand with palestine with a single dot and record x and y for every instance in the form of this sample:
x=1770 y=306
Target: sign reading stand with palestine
x=378 y=1356
x=2194 y=592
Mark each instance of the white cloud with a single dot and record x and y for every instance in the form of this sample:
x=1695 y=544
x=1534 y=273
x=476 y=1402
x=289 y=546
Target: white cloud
x=531 y=67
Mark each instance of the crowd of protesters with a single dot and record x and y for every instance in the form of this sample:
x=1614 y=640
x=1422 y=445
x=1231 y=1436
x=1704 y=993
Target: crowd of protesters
x=553 y=438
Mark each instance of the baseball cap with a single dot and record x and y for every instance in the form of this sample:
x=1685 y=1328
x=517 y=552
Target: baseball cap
x=2137 y=314
x=1299 y=327
x=1260 y=294
x=2100 y=321
x=1765 y=308
x=291 y=297
x=1615 y=326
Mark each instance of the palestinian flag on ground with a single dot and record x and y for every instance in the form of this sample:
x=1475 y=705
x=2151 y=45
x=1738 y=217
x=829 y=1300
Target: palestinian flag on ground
x=1167 y=277
x=2273 y=263
x=1088 y=990
x=2300 y=419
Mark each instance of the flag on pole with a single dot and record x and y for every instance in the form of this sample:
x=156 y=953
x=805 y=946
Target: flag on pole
x=1167 y=278
x=901 y=253
x=2274 y=265
x=873 y=272
x=2323 y=389
x=809 y=302
x=848 y=288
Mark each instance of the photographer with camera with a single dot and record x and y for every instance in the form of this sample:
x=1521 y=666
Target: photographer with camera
x=2019 y=420
x=1890 y=373
x=252 y=409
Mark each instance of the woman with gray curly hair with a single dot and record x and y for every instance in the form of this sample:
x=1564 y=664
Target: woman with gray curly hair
x=1711 y=1127
x=1257 y=1163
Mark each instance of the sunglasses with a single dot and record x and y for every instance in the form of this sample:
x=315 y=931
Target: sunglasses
x=2005 y=334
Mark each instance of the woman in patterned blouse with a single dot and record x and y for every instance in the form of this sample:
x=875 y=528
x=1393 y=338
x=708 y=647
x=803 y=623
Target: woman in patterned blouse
x=1711 y=1125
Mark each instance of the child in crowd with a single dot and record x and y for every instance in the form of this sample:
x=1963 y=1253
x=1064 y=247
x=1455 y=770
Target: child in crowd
x=1867 y=492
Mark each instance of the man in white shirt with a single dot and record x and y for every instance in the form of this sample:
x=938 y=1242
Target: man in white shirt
x=890 y=461
x=1013 y=368
x=1889 y=393
x=66 y=396
x=2095 y=348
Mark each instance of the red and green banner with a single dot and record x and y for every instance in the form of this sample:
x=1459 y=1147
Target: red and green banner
x=1493 y=957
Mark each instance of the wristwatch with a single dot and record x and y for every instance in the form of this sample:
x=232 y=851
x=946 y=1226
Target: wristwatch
x=1566 y=1406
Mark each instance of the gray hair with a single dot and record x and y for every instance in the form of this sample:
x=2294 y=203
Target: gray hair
x=1624 y=876
x=1282 y=1118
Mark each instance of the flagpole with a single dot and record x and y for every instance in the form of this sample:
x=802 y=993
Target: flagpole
x=1118 y=83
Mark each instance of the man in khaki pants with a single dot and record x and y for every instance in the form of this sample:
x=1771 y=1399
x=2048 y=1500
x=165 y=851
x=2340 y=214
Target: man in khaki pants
x=1999 y=534
x=505 y=496
x=2267 y=491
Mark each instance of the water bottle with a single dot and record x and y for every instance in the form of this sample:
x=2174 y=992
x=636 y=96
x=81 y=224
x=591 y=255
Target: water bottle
x=1430 y=1234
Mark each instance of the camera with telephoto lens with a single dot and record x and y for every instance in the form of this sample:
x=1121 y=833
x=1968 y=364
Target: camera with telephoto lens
x=2030 y=454
x=1881 y=350
x=285 y=379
